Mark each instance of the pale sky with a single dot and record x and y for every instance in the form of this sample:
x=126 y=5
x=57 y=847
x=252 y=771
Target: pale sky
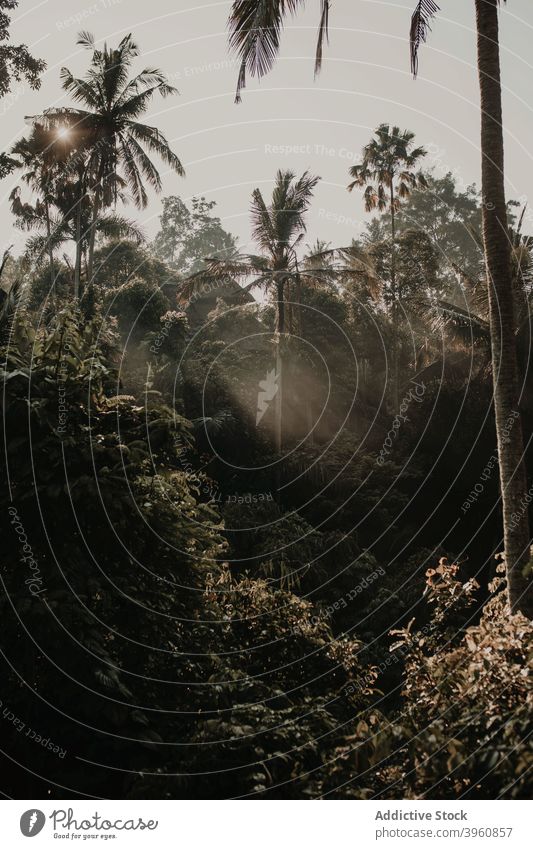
x=289 y=120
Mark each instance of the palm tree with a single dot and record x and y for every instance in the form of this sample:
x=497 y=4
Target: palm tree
x=278 y=228
x=387 y=174
x=114 y=143
x=497 y=250
x=41 y=159
x=44 y=159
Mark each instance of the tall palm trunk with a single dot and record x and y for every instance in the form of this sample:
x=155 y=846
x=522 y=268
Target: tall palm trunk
x=513 y=479
x=97 y=202
x=300 y=332
x=50 y=248
x=92 y=233
x=280 y=303
x=77 y=262
x=279 y=365
x=395 y=305
x=298 y=290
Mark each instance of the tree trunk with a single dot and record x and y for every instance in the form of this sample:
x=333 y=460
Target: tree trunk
x=279 y=365
x=298 y=286
x=281 y=305
x=50 y=249
x=278 y=409
x=77 y=262
x=395 y=323
x=513 y=481
x=92 y=233
x=300 y=332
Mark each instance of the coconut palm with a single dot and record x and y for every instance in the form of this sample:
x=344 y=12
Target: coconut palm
x=497 y=250
x=45 y=163
x=115 y=145
x=41 y=160
x=278 y=228
x=387 y=173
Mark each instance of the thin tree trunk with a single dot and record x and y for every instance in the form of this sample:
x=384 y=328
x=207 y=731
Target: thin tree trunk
x=92 y=233
x=310 y=421
x=77 y=263
x=513 y=480
x=279 y=380
x=290 y=316
x=300 y=332
x=50 y=249
x=281 y=305
x=395 y=323
x=279 y=366
x=298 y=286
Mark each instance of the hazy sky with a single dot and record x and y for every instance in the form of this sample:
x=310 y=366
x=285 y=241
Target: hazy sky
x=289 y=120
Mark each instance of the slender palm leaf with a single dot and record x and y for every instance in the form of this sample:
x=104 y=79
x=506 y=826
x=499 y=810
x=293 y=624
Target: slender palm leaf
x=255 y=28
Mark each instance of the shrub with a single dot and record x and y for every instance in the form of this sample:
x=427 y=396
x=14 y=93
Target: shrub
x=468 y=696
x=120 y=261
x=41 y=287
x=127 y=641
x=138 y=306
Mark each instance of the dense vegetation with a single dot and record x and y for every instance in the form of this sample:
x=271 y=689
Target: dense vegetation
x=252 y=545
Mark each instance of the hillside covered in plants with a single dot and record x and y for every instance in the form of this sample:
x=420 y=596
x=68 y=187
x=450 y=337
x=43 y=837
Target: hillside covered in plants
x=254 y=540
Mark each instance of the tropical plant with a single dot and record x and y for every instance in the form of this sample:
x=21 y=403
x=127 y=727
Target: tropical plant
x=387 y=173
x=41 y=157
x=255 y=33
x=119 y=260
x=450 y=215
x=124 y=556
x=138 y=305
x=497 y=250
x=278 y=229
x=467 y=700
x=114 y=143
x=56 y=217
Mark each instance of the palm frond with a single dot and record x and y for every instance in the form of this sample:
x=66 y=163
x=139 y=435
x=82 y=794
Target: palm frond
x=156 y=142
x=10 y=303
x=135 y=105
x=37 y=247
x=151 y=78
x=81 y=90
x=323 y=34
x=135 y=182
x=117 y=227
x=462 y=323
x=143 y=161
x=420 y=26
x=86 y=39
x=223 y=421
x=262 y=227
x=254 y=34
